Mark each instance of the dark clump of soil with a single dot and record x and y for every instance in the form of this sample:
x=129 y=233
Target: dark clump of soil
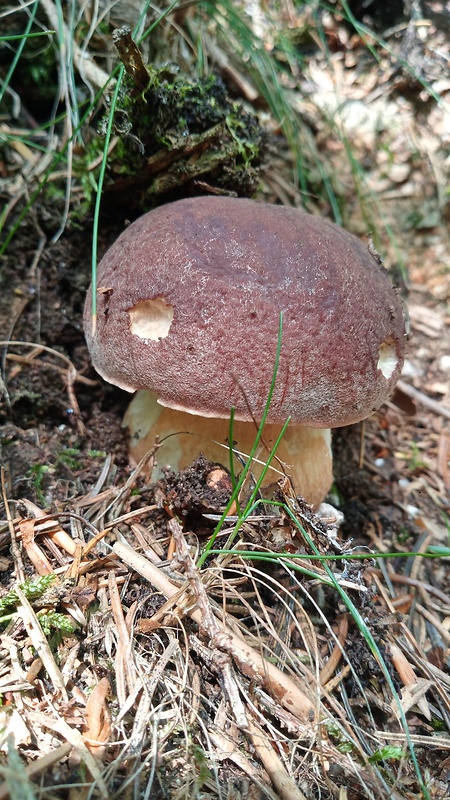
x=202 y=487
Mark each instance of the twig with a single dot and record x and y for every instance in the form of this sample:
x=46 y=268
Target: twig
x=423 y=399
x=219 y=640
x=49 y=527
x=284 y=784
x=432 y=619
x=125 y=671
x=252 y=663
x=404 y=579
x=37 y=362
x=40 y=643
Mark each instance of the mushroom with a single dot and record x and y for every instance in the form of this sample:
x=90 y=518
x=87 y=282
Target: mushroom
x=189 y=302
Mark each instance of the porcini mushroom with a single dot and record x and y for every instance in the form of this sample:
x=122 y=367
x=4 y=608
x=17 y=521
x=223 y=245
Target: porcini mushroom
x=189 y=302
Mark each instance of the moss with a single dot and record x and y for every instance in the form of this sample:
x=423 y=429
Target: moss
x=185 y=133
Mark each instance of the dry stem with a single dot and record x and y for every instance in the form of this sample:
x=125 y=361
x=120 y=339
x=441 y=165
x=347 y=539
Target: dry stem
x=252 y=663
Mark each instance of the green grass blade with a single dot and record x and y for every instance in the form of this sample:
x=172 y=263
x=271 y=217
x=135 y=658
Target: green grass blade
x=235 y=494
x=23 y=40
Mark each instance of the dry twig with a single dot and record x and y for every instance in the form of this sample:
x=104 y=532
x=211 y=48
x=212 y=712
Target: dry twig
x=252 y=663
x=423 y=399
x=210 y=626
x=40 y=643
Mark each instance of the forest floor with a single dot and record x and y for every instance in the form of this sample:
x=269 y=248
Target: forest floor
x=69 y=493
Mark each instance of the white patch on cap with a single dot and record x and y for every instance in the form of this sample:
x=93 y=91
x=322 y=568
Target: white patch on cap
x=387 y=357
x=151 y=319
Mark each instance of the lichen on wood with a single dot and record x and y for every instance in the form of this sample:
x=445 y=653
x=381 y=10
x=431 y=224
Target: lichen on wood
x=177 y=131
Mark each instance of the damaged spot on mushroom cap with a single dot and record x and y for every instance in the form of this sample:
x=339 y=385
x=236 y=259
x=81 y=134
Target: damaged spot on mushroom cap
x=151 y=319
x=387 y=357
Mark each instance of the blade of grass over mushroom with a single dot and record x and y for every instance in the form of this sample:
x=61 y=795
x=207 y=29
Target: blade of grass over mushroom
x=230 y=455
x=252 y=503
x=237 y=487
x=259 y=482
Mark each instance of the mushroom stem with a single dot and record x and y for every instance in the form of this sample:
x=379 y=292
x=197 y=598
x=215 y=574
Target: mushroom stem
x=304 y=453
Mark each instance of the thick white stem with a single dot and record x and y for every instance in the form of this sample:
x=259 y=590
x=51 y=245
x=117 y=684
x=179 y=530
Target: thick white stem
x=304 y=454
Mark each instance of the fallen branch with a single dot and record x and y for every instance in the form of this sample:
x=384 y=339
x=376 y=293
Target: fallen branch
x=218 y=641
x=251 y=663
x=423 y=399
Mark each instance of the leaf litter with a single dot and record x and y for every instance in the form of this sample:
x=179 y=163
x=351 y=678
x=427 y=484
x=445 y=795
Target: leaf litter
x=126 y=669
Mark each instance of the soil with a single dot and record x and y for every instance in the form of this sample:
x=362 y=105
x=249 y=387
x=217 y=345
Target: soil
x=39 y=425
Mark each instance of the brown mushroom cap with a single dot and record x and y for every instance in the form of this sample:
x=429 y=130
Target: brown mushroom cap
x=189 y=302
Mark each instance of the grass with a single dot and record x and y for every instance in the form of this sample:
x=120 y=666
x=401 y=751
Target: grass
x=274 y=70
x=239 y=484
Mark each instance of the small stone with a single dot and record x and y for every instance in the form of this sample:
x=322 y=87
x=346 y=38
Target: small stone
x=444 y=363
